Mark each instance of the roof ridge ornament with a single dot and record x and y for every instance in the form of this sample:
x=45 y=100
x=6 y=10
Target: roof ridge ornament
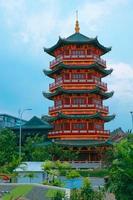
x=77 y=28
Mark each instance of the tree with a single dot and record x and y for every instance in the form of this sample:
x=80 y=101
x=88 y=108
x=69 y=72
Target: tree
x=33 y=152
x=47 y=166
x=86 y=190
x=62 y=167
x=30 y=175
x=8 y=146
x=121 y=170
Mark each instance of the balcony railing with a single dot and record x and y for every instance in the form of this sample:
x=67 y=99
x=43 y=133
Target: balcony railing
x=84 y=132
x=90 y=106
x=80 y=81
x=62 y=58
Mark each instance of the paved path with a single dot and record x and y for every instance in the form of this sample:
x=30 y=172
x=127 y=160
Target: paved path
x=39 y=192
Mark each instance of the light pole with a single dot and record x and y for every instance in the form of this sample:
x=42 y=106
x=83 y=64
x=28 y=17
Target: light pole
x=20 y=130
x=132 y=119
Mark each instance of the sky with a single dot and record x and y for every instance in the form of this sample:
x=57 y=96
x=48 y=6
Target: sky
x=26 y=26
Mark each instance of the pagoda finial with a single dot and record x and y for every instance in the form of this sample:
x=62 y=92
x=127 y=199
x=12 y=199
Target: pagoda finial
x=77 y=28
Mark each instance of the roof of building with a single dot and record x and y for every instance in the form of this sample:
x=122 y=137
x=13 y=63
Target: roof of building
x=82 y=143
x=77 y=38
x=62 y=66
x=117 y=135
x=30 y=167
x=94 y=116
x=60 y=90
x=11 y=116
x=36 y=123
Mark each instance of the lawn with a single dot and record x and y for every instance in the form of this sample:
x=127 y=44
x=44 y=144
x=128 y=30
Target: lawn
x=21 y=190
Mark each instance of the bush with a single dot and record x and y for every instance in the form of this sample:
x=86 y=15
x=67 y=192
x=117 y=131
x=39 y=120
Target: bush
x=55 y=194
x=94 y=173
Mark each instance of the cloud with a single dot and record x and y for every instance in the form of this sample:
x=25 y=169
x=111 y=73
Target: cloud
x=121 y=81
x=36 y=23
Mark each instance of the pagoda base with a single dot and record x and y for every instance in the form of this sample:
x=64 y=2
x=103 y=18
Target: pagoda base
x=87 y=150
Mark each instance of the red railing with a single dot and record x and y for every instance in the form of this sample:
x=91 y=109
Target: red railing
x=71 y=57
x=80 y=81
x=90 y=106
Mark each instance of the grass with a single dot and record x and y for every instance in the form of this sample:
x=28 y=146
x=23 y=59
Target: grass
x=18 y=191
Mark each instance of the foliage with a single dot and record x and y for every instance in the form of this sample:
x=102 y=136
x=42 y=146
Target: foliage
x=62 y=167
x=55 y=194
x=94 y=173
x=53 y=171
x=87 y=192
x=121 y=170
x=30 y=151
x=35 y=150
x=73 y=174
x=8 y=147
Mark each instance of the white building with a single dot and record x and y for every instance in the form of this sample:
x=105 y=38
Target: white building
x=30 y=168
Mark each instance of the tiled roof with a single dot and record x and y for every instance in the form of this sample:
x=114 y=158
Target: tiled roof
x=94 y=66
x=60 y=90
x=76 y=38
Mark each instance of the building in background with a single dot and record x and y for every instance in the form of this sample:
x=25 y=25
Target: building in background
x=9 y=121
x=35 y=126
x=78 y=91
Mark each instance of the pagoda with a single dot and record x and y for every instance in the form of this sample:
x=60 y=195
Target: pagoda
x=78 y=114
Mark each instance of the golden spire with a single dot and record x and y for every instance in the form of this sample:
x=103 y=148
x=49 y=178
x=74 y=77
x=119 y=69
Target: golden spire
x=77 y=23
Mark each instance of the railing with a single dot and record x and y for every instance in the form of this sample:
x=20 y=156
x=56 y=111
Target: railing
x=91 y=106
x=75 y=132
x=70 y=57
x=91 y=81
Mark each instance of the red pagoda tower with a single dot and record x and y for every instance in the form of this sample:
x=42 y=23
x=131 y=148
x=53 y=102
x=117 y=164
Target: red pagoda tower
x=78 y=114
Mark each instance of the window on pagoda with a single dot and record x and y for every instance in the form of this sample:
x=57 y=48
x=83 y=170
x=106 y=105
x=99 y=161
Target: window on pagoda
x=96 y=78
x=79 y=101
x=89 y=100
x=67 y=101
x=99 y=126
x=78 y=76
x=58 y=127
x=66 y=76
x=58 y=103
x=89 y=76
x=91 y=125
x=79 y=126
x=89 y=52
x=97 y=102
x=77 y=52
x=66 y=52
x=58 y=79
x=66 y=126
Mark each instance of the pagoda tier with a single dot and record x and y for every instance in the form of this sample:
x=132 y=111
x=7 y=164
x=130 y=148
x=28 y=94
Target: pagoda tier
x=78 y=101
x=78 y=91
x=67 y=44
x=80 y=127
x=96 y=90
x=61 y=68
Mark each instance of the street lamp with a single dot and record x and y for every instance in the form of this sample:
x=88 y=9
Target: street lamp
x=132 y=119
x=20 y=130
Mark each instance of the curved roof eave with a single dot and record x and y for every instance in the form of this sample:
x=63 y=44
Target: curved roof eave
x=60 y=90
x=61 y=66
x=51 y=49
x=94 y=116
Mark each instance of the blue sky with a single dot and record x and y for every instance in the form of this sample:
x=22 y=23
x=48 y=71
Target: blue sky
x=26 y=26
